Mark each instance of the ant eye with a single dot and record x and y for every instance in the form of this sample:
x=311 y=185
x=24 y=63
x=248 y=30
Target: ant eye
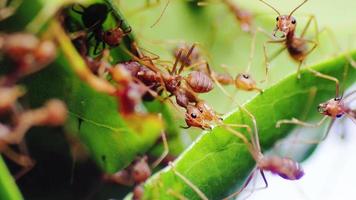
x=294 y=21
x=193 y=115
x=246 y=76
x=277 y=18
x=339 y=115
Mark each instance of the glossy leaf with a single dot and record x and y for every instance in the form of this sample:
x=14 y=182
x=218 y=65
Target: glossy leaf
x=218 y=160
x=8 y=187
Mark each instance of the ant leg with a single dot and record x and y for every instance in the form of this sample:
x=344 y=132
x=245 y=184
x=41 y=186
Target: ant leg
x=254 y=137
x=23 y=160
x=306 y=27
x=324 y=76
x=248 y=180
x=337 y=45
x=267 y=59
x=161 y=15
x=174 y=69
x=187 y=55
x=165 y=152
x=189 y=183
x=252 y=52
x=299 y=122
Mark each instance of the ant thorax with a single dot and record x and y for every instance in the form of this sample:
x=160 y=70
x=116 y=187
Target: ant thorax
x=334 y=108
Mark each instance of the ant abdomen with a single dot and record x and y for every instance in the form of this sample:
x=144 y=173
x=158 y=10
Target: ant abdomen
x=284 y=167
x=94 y=15
x=199 y=82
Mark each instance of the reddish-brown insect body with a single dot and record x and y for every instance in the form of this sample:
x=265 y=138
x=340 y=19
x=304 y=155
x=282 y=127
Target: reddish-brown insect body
x=141 y=170
x=199 y=82
x=245 y=82
x=297 y=46
x=244 y=17
x=181 y=53
x=284 y=167
x=334 y=108
x=27 y=52
x=201 y=115
x=114 y=36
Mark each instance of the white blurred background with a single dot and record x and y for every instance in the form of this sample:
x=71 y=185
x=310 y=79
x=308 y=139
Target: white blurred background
x=330 y=172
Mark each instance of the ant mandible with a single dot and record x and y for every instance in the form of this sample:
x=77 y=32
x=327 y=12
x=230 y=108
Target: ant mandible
x=296 y=46
x=93 y=18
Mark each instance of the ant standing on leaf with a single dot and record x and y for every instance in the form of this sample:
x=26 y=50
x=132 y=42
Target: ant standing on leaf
x=138 y=172
x=296 y=46
x=93 y=18
x=282 y=166
x=334 y=108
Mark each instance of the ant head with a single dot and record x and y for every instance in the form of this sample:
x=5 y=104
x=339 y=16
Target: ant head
x=113 y=37
x=285 y=23
x=333 y=108
x=141 y=170
x=245 y=82
x=194 y=117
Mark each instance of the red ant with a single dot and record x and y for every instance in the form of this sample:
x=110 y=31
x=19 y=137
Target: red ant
x=244 y=17
x=93 y=18
x=28 y=53
x=296 y=46
x=53 y=114
x=138 y=172
x=334 y=108
x=242 y=81
x=284 y=167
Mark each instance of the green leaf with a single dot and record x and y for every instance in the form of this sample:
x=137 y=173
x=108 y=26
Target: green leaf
x=112 y=140
x=218 y=161
x=8 y=187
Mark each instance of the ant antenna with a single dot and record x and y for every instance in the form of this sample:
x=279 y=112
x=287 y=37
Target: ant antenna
x=269 y=5
x=160 y=17
x=297 y=8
